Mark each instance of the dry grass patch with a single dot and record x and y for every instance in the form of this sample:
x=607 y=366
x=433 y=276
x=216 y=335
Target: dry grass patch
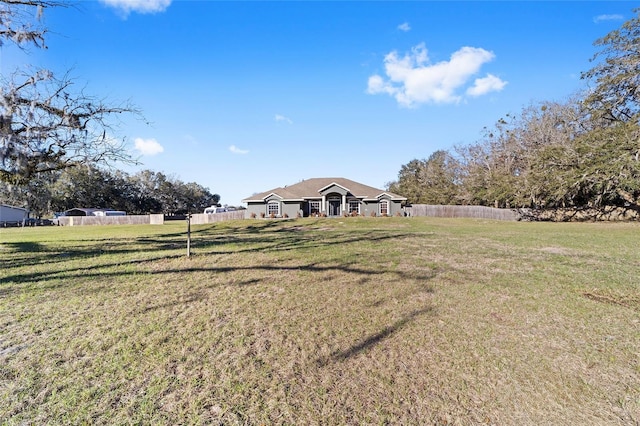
x=350 y=321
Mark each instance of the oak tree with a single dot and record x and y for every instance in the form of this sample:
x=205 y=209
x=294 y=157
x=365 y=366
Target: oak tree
x=46 y=122
x=616 y=75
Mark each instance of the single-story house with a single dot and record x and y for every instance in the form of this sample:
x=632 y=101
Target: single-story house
x=12 y=214
x=324 y=196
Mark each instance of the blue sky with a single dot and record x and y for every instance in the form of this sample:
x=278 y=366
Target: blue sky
x=245 y=96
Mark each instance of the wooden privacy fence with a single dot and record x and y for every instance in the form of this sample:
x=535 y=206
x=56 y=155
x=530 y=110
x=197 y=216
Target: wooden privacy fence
x=201 y=218
x=111 y=220
x=476 y=212
x=153 y=219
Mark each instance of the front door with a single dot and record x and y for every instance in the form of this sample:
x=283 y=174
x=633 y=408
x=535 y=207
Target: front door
x=334 y=207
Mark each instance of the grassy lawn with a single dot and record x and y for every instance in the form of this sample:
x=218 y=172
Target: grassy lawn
x=330 y=321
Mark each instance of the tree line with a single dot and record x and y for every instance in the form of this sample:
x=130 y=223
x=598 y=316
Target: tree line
x=92 y=187
x=578 y=153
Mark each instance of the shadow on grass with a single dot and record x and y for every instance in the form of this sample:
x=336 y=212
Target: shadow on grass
x=67 y=273
x=263 y=237
x=31 y=254
x=62 y=277
x=258 y=237
x=27 y=247
x=192 y=298
x=374 y=339
x=310 y=235
x=22 y=254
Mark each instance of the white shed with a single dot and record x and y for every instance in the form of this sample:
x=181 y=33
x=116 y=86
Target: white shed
x=12 y=214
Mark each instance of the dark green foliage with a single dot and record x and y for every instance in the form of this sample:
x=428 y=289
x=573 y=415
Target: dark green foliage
x=616 y=77
x=141 y=193
x=92 y=187
x=432 y=181
x=597 y=169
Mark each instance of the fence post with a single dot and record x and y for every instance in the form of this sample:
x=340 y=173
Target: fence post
x=188 y=234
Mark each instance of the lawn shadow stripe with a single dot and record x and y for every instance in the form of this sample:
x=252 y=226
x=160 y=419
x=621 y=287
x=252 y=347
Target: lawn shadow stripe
x=374 y=339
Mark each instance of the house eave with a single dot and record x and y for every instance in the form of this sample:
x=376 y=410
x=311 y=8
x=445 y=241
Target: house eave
x=262 y=200
x=14 y=207
x=391 y=196
x=333 y=184
x=284 y=200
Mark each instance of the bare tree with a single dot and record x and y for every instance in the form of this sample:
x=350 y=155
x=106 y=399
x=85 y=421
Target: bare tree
x=17 y=23
x=45 y=123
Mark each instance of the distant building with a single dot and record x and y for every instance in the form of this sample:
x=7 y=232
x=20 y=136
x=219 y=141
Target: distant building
x=215 y=209
x=94 y=212
x=11 y=214
x=109 y=213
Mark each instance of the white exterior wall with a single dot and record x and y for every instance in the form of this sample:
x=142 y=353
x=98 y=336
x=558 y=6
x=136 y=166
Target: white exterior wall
x=12 y=214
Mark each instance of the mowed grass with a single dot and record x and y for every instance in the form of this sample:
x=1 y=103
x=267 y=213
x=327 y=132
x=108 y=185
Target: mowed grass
x=330 y=321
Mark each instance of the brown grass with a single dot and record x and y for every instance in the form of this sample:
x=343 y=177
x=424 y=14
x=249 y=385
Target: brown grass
x=322 y=321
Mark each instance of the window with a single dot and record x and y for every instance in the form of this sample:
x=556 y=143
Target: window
x=354 y=207
x=384 y=207
x=273 y=208
x=314 y=208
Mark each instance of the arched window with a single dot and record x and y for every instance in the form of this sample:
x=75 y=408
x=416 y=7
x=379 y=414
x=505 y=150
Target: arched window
x=273 y=208
x=384 y=207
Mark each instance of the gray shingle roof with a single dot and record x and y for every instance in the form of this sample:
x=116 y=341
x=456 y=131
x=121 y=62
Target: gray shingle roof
x=310 y=188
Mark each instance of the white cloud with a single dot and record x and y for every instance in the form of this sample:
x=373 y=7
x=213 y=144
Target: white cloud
x=413 y=80
x=237 y=150
x=279 y=117
x=602 y=18
x=482 y=86
x=148 y=146
x=140 y=6
x=404 y=27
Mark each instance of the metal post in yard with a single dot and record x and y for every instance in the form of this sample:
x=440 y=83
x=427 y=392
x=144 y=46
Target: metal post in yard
x=188 y=234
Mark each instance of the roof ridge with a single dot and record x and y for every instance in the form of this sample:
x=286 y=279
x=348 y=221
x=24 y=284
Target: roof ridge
x=310 y=188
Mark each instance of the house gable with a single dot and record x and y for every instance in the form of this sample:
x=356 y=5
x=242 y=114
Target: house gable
x=272 y=197
x=80 y=212
x=334 y=188
x=385 y=196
